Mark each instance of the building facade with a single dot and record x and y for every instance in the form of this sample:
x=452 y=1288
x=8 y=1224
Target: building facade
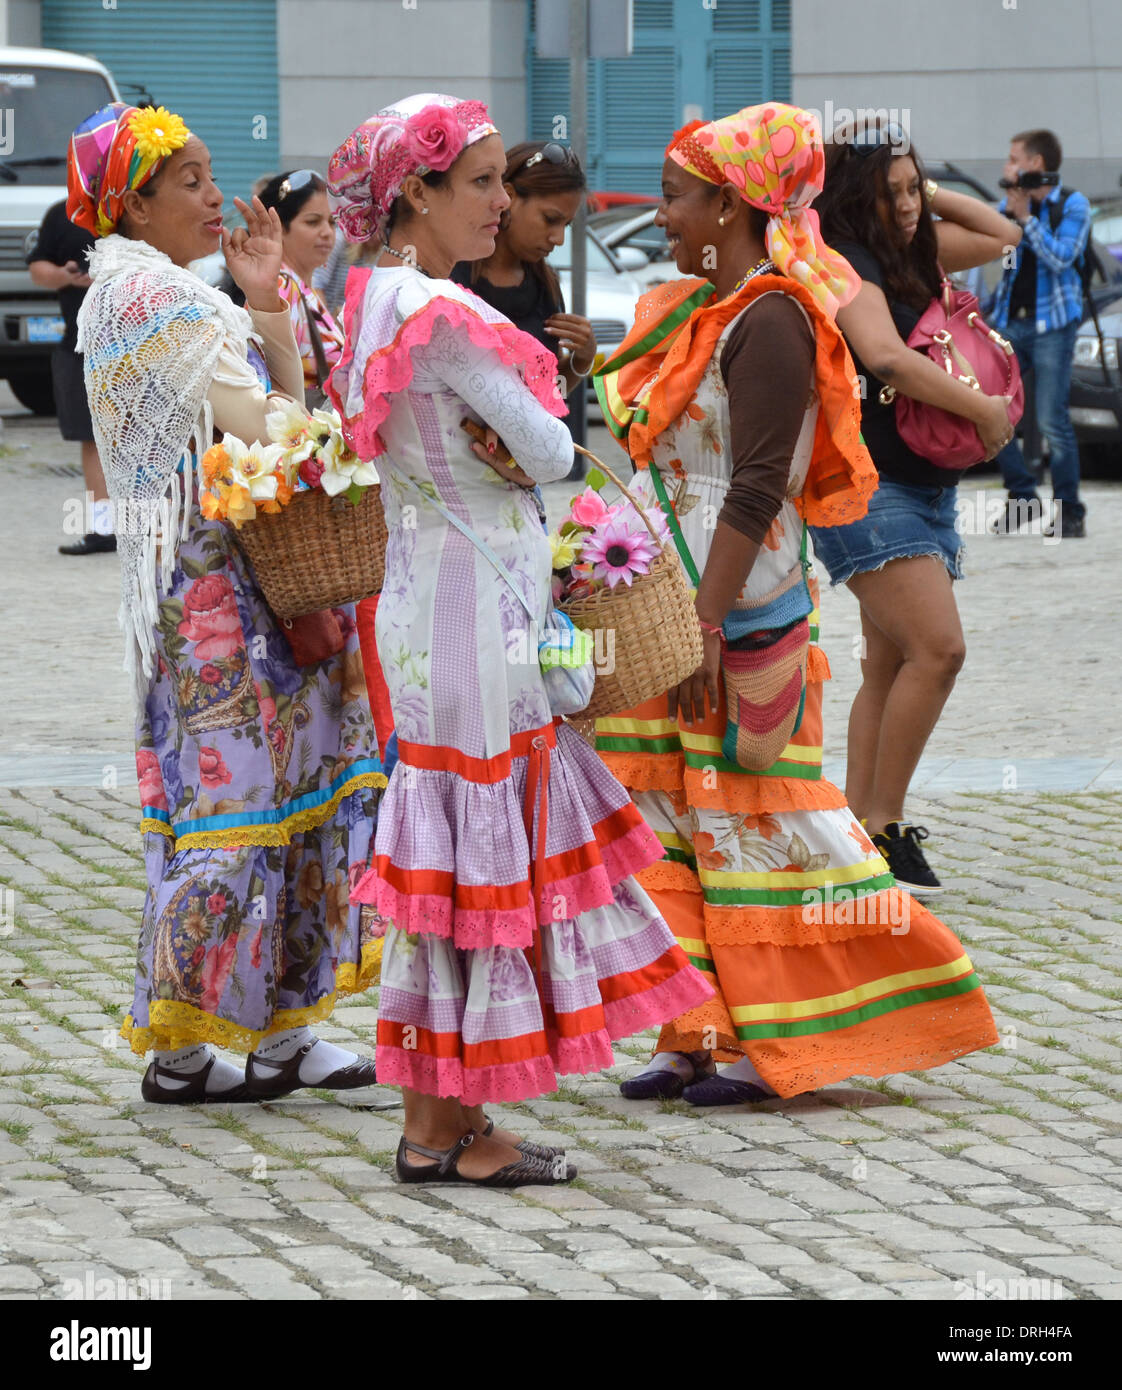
x=971 y=73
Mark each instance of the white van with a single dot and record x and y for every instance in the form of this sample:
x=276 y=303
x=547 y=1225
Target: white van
x=44 y=94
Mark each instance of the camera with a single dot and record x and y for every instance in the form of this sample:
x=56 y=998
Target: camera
x=1035 y=178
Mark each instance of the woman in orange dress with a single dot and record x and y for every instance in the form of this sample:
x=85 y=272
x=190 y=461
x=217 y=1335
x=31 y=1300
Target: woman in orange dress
x=736 y=397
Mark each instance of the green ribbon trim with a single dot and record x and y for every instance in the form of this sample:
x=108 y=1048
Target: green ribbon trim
x=805 y=1027
x=790 y=897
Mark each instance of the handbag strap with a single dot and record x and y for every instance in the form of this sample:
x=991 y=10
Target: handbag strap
x=675 y=527
x=479 y=543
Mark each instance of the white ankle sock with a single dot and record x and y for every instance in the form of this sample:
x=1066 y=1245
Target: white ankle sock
x=321 y=1061
x=103 y=517
x=188 y=1061
x=679 y=1062
x=745 y=1071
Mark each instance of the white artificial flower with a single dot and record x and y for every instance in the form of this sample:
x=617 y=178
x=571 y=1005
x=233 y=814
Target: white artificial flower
x=253 y=469
x=290 y=426
x=341 y=468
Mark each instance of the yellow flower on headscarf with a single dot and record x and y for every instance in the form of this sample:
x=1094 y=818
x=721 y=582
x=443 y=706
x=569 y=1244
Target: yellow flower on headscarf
x=158 y=132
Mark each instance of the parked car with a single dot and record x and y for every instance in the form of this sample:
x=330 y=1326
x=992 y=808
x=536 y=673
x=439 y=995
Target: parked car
x=1096 y=384
x=45 y=94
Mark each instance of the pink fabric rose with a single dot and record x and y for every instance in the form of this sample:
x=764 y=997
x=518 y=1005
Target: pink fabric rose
x=216 y=971
x=210 y=674
x=589 y=508
x=151 y=780
x=216 y=904
x=210 y=618
x=213 y=772
x=434 y=137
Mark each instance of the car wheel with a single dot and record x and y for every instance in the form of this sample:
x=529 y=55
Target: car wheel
x=34 y=391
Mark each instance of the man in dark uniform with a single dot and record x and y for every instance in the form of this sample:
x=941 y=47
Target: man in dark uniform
x=57 y=262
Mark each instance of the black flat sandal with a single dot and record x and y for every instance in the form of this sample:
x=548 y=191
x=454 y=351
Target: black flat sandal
x=526 y=1146
x=195 y=1092
x=287 y=1075
x=528 y=1170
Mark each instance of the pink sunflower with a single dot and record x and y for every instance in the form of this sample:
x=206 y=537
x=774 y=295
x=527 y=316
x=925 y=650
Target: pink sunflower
x=618 y=552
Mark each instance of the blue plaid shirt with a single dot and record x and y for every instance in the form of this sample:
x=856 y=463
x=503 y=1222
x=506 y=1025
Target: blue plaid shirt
x=1059 y=290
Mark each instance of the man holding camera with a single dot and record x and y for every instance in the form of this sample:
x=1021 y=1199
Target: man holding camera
x=1039 y=307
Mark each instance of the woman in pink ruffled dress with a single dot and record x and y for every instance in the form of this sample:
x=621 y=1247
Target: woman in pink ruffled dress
x=518 y=943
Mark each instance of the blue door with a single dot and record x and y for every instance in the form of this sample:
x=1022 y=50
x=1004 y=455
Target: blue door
x=213 y=62
x=688 y=60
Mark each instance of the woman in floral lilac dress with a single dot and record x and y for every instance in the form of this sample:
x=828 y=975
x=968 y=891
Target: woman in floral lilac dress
x=519 y=944
x=258 y=776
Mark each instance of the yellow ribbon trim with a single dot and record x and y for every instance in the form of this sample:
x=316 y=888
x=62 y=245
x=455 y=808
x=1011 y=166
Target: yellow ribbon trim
x=831 y=1003
x=668 y=840
x=693 y=947
x=173 y=1023
x=279 y=833
x=846 y=873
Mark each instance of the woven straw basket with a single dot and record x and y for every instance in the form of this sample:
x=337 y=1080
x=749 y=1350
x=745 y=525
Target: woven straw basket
x=657 y=641
x=318 y=552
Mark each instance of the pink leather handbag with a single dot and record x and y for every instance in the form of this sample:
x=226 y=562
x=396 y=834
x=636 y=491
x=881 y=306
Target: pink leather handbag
x=952 y=332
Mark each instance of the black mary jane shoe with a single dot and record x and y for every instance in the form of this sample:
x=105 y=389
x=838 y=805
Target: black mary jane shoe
x=526 y=1146
x=286 y=1075
x=194 y=1093
x=529 y=1170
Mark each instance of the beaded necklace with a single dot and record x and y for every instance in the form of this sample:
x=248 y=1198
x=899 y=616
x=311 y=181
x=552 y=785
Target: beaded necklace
x=411 y=260
x=759 y=268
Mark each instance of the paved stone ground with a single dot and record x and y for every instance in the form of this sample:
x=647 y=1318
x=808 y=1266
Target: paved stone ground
x=1003 y=1168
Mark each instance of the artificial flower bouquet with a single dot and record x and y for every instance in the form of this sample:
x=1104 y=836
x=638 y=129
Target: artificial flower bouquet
x=307 y=452
x=617 y=576
x=308 y=511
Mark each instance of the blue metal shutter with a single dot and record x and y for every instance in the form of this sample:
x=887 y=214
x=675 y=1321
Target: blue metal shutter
x=213 y=62
x=685 y=55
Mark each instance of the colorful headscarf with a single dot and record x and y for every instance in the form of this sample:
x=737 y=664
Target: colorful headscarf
x=414 y=136
x=118 y=148
x=773 y=155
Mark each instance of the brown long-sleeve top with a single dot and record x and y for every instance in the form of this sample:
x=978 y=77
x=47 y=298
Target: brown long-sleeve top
x=767 y=365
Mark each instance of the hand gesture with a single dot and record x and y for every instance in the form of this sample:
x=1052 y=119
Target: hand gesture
x=1017 y=204
x=491 y=449
x=686 y=702
x=253 y=255
x=994 y=429
x=573 y=333
x=78 y=279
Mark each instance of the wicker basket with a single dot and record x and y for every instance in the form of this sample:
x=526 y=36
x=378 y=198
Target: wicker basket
x=657 y=638
x=318 y=552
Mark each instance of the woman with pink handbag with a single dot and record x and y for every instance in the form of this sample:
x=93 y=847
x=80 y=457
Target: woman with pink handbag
x=920 y=413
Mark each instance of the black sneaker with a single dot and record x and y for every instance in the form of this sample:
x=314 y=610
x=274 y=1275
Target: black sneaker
x=1019 y=511
x=90 y=544
x=899 y=844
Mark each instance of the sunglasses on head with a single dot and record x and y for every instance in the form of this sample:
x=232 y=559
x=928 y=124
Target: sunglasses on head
x=551 y=153
x=293 y=182
x=867 y=142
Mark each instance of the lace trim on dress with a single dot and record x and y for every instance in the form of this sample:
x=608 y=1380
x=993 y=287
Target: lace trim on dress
x=390 y=369
x=173 y=1024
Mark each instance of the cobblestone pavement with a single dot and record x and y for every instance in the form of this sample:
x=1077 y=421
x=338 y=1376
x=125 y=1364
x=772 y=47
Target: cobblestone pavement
x=997 y=1176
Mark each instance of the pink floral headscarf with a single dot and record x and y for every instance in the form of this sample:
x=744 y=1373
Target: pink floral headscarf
x=423 y=132
x=773 y=155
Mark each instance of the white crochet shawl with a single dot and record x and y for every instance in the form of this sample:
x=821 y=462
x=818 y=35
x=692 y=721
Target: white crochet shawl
x=152 y=334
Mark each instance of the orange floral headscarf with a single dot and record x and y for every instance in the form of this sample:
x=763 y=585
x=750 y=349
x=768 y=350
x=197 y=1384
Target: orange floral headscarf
x=116 y=149
x=773 y=155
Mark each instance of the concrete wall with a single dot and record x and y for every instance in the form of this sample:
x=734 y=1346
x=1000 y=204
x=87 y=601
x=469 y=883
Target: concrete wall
x=972 y=73
x=341 y=60
x=19 y=23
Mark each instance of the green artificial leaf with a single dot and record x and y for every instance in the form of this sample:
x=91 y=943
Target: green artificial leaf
x=354 y=494
x=595 y=479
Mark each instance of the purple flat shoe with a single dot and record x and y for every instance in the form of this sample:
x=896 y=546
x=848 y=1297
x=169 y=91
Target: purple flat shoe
x=722 y=1090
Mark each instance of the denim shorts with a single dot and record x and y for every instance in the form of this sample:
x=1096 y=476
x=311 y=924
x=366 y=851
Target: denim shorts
x=902 y=522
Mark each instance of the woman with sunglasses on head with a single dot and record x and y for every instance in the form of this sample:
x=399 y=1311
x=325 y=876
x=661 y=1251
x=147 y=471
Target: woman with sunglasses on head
x=257 y=762
x=518 y=945
x=900 y=560
x=545 y=184
x=735 y=397
x=300 y=200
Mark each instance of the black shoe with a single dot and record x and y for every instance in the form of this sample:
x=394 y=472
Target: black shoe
x=899 y=844
x=1019 y=511
x=90 y=544
x=1072 y=528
